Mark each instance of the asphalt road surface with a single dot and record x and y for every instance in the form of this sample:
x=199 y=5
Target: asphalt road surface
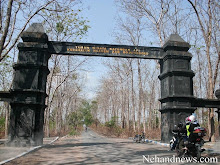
x=91 y=148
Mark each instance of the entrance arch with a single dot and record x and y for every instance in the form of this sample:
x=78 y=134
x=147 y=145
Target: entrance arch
x=28 y=92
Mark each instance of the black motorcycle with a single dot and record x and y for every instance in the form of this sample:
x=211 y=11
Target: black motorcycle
x=178 y=134
x=184 y=147
x=139 y=138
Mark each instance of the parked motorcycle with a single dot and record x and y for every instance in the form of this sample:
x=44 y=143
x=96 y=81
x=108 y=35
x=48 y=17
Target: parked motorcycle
x=185 y=148
x=178 y=134
x=139 y=138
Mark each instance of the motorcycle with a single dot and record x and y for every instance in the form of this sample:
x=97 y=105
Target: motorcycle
x=178 y=134
x=185 y=147
x=139 y=138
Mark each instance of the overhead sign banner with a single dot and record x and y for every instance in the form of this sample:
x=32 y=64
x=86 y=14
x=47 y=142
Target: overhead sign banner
x=105 y=50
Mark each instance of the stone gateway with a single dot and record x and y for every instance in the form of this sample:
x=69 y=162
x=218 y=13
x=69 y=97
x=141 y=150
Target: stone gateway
x=28 y=93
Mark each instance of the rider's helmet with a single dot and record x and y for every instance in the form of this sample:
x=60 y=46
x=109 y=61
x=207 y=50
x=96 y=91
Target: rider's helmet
x=187 y=120
x=192 y=118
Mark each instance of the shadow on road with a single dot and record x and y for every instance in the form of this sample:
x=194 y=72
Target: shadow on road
x=91 y=148
x=74 y=145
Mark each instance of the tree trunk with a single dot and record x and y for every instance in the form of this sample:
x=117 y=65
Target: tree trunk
x=133 y=100
x=128 y=111
x=7 y=114
x=48 y=101
x=140 y=95
x=144 y=116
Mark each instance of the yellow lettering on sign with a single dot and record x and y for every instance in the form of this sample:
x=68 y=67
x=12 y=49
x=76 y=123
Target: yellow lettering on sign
x=97 y=49
x=79 y=49
x=100 y=50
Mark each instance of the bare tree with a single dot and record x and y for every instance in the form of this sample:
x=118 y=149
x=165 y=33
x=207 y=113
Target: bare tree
x=153 y=12
x=62 y=26
x=10 y=30
x=204 y=13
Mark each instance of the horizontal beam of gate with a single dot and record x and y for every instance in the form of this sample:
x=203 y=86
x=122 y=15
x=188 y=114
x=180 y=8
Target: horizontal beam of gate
x=104 y=50
x=5 y=96
x=206 y=103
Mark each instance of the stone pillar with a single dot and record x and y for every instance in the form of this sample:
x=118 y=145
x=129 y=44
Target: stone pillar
x=217 y=94
x=176 y=85
x=29 y=88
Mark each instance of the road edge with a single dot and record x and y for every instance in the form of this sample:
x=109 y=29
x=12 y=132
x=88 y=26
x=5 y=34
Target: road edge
x=27 y=152
x=156 y=142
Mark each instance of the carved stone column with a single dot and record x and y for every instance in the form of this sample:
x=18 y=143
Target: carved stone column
x=29 y=88
x=176 y=85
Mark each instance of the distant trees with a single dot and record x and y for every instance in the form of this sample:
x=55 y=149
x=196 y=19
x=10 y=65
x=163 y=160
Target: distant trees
x=137 y=90
x=83 y=115
x=128 y=97
x=130 y=91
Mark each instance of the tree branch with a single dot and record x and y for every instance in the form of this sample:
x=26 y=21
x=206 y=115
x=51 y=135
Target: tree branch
x=199 y=19
x=16 y=40
x=13 y=26
x=7 y=23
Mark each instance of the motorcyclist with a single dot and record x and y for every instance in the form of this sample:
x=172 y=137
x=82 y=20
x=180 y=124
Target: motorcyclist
x=186 y=131
x=187 y=139
x=191 y=123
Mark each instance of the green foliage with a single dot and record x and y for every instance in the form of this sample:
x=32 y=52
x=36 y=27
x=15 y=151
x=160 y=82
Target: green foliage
x=59 y=27
x=81 y=116
x=2 y=124
x=157 y=122
x=52 y=124
x=75 y=119
x=118 y=131
x=73 y=132
x=85 y=109
x=112 y=123
x=66 y=25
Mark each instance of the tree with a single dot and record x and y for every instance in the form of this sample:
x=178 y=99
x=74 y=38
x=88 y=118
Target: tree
x=62 y=26
x=5 y=84
x=162 y=18
x=25 y=11
x=205 y=12
x=152 y=12
x=9 y=28
x=86 y=109
x=75 y=119
x=61 y=20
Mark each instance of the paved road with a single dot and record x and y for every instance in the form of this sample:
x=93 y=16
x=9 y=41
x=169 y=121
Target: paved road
x=91 y=148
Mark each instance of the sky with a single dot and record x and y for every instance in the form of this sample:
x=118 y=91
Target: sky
x=101 y=15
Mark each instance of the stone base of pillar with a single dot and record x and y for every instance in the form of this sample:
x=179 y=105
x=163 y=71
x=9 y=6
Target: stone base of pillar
x=169 y=118
x=26 y=126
